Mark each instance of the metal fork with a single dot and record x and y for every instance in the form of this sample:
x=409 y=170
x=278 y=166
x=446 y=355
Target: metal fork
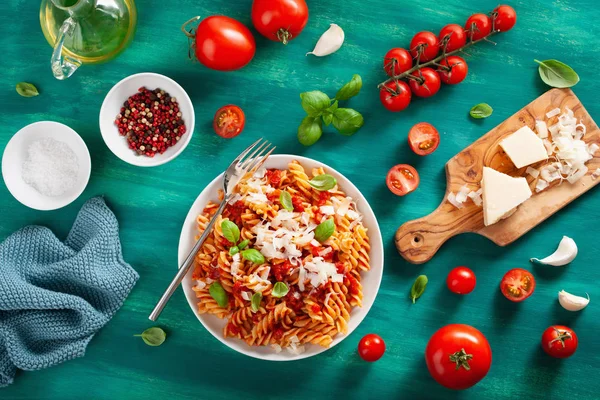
x=247 y=161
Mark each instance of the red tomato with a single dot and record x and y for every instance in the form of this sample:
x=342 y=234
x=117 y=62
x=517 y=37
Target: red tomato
x=397 y=61
x=506 y=17
x=279 y=20
x=461 y=280
x=559 y=341
x=517 y=284
x=402 y=179
x=371 y=347
x=423 y=138
x=482 y=26
x=457 y=37
x=427 y=42
x=458 y=356
x=453 y=70
x=229 y=121
x=427 y=83
x=395 y=96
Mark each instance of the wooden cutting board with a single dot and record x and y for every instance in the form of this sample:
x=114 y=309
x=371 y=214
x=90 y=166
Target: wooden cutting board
x=418 y=240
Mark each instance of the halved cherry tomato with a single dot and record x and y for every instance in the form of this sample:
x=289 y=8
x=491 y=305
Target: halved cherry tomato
x=425 y=42
x=229 y=121
x=517 y=284
x=461 y=280
x=482 y=26
x=397 y=61
x=279 y=20
x=423 y=138
x=457 y=37
x=402 y=179
x=506 y=18
x=427 y=83
x=559 y=341
x=371 y=347
x=453 y=70
x=395 y=96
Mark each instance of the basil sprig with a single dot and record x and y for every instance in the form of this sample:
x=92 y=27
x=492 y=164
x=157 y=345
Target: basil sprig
x=280 y=289
x=320 y=108
x=27 y=89
x=154 y=336
x=418 y=288
x=481 y=110
x=254 y=256
x=219 y=294
x=285 y=198
x=255 y=301
x=324 y=230
x=557 y=74
x=323 y=182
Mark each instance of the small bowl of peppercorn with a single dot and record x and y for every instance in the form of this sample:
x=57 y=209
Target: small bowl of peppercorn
x=147 y=119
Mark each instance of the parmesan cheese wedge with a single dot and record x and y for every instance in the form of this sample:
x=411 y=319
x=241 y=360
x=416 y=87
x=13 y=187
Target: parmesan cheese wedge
x=501 y=194
x=524 y=147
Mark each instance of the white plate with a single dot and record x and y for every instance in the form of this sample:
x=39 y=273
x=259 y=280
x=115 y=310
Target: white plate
x=112 y=106
x=370 y=280
x=15 y=154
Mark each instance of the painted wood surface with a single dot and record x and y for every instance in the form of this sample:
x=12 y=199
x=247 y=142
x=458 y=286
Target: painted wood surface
x=418 y=240
x=152 y=203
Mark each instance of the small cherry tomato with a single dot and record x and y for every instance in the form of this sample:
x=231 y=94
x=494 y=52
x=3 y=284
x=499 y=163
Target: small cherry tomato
x=461 y=280
x=559 y=341
x=402 y=179
x=397 y=61
x=481 y=25
x=425 y=42
x=423 y=138
x=395 y=96
x=371 y=347
x=506 y=17
x=517 y=284
x=279 y=20
x=229 y=121
x=457 y=37
x=453 y=70
x=427 y=83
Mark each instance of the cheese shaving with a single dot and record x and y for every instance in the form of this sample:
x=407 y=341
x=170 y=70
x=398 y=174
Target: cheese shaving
x=476 y=197
x=532 y=172
x=276 y=347
x=452 y=200
x=553 y=112
x=541 y=128
x=541 y=185
x=200 y=284
x=577 y=175
x=596 y=174
x=246 y=296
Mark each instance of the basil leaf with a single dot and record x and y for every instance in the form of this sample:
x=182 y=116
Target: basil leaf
x=323 y=182
x=481 y=110
x=234 y=250
x=243 y=244
x=350 y=89
x=255 y=301
x=280 y=289
x=230 y=231
x=328 y=114
x=315 y=102
x=327 y=118
x=347 y=121
x=310 y=131
x=324 y=230
x=154 y=336
x=286 y=200
x=557 y=74
x=418 y=287
x=219 y=294
x=333 y=107
x=27 y=89
x=253 y=256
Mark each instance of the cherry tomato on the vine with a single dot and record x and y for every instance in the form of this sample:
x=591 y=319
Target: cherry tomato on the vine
x=461 y=280
x=517 y=284
x=229 y=121
x=371 y=347
x=427 y=83
x=402 y=179
x=279 y=20
x=397 y=61
x=506 y=17
x=453 y=70
x=457 y=37
x=482 y=26
x=423 y=138
x=559 y=341
x=395 y=96
x=427 y=42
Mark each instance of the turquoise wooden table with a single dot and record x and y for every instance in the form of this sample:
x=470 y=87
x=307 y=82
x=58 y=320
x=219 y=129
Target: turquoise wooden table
x=152 y=203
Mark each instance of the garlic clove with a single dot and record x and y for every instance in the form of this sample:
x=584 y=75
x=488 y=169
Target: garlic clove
x=571 y=302
x=329 y=42
x=564 y=254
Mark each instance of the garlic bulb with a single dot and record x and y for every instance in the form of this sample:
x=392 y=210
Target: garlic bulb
x=571 y=302
x=329 y=42
x=564 y=254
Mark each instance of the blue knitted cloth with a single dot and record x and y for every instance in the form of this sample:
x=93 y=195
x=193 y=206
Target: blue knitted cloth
x=55 y=296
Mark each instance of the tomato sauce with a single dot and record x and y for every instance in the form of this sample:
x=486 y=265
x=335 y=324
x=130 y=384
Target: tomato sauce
x=297 y=203
x=234 y=212
x=281 y=271
x=273 y=177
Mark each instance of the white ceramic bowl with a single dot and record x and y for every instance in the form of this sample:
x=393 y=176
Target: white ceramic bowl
x=15 y=154
x=112 y=106
x=370 y=280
